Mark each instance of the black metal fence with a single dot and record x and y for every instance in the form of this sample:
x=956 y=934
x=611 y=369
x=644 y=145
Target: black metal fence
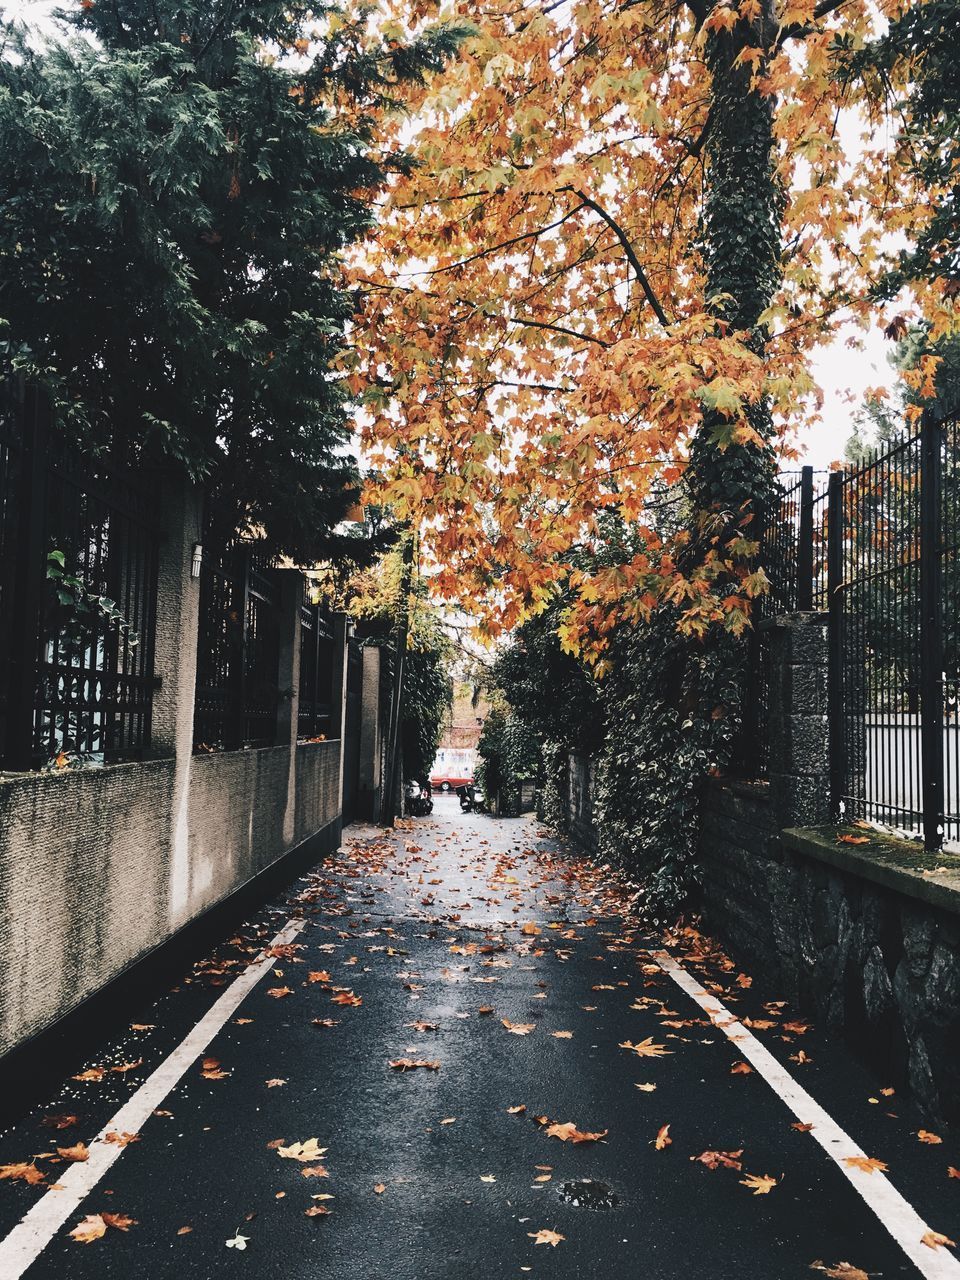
x=875 y=546
x=78 y=574
x=316 y=673
x=238 y=651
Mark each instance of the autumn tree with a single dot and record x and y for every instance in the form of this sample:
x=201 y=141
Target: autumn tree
x=178 y=181
x=631 y=226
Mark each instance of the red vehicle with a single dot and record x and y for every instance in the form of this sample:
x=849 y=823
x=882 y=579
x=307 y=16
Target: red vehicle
x=453 y=768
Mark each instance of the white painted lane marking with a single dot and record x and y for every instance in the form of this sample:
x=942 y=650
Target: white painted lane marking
x=40 y=1224
x=895 y=1213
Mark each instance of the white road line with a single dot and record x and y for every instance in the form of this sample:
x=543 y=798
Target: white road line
x=40 y=1224
x=895 y=1213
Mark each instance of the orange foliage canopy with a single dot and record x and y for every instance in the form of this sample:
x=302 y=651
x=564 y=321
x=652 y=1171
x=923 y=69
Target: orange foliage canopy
x=535 y=345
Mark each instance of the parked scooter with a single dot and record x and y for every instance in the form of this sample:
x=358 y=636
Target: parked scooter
x=471 y=800
x=417 y=799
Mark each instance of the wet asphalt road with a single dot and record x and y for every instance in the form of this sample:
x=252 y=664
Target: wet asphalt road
x=431 y=1175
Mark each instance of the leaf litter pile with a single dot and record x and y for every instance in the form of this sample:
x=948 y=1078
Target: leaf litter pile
x=493 y=917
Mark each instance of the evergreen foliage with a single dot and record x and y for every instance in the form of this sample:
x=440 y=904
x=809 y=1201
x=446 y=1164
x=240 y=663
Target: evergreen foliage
x=177 y=180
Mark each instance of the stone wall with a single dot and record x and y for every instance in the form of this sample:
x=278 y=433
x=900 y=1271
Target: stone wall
x=866 y=939
x=865 y=942
x=92 y=878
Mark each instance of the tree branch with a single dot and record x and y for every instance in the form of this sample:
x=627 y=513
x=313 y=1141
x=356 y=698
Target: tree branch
x=629 y=250
x=799 y=29
x=558 y=328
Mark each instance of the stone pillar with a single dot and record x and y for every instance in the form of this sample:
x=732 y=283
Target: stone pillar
x=799 y=767
x=178 y=620
x=290 y=591
x=290 y=583
x=369 y=797
x=342 y=631
x=175 y=664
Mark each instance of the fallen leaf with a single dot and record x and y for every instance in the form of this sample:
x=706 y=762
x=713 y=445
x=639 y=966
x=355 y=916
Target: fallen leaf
x=931 y=1139
x=517 y=1111
x=347 y=997
x=663 y=1138
x=121 y=1139
x=275 y=1084
x=741 y=1069
x=78 y=1154
x=319 y=975
x=314 y=1171
x=119 y=1221
x=92 y=1073
x=279 y=992
x=646 y=1048
x=865 y=1163
x=646 y=1087
x=530 y=930
x=422 y=1026
x=546 y=1237
x=562 y=1035
x=934 y=1239
x=316 y=1211
x=952 y=1172
x=91 y=1228
x=569 y=1132
x=94 y=1226
x=411 y=1064
x=840 y=1271
x=127 y=1066
x=518 y=1028
x=449 y=1120
x=380 y=1188
x=184 y=1231
x=59 y=1122
x=143 y=1026
x=801 y=1127
x=761 y=1184
x=487 y=1177
x=25 y=1172
x=485 y=1008
x=325 y=1022
x=304 y=1151
x=238 y=1242
x=720 y=1159
x=853 y=839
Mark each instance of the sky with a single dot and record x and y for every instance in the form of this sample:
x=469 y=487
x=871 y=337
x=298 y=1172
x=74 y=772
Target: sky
x=843 y=374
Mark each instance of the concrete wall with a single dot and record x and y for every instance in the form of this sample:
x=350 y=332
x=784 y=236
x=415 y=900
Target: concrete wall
x=100 y=866
x=88 y=882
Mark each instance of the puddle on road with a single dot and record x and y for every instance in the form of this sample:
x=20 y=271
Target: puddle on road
x=587 y=1193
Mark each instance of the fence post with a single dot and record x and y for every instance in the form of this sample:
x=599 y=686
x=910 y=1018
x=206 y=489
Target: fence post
x=835 y=534
x=805 y=543
x=931 y=632
x=178 y=620
x=30 y=579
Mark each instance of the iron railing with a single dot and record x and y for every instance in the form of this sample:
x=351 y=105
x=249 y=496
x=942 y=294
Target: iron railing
x=237 y=694
x=79 y=548
x=316 y=673
x=877 y=548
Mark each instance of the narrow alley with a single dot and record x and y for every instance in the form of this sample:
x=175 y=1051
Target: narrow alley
x=446 y=1052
